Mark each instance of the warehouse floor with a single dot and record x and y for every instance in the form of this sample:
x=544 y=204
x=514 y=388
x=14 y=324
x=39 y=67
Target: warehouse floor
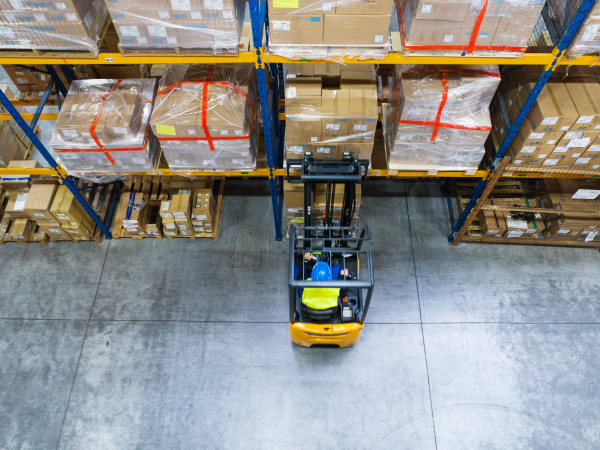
x=185 y=345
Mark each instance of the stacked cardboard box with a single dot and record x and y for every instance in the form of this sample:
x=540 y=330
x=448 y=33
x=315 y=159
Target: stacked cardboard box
x=439 y=119
x=65 y=25
x=330 y=110
x=293 y=197
x=503 y=223
x=587 y=39
x=194 y=25
x=103 y=128
x=563 y=128
x=14 y=145
x=342 y=23
x=27 y=80
x=212 y=130
x=189 y=213
x=448 y=26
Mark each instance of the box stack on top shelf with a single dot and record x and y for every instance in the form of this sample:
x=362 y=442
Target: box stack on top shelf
x=65 y=25
x=178 y=26
x=205 y=117
x=32 y=84
x=103 y=128
x=325 y=29
x=330 y=110
x=587 y=39
x=438 y=118
x=482 y=27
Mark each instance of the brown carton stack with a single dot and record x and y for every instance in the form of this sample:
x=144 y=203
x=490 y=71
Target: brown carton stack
x=220 y=133
x=132 y=213
x=212 y=26
x=27 y=80
x=203 y=211
x=323 y=24
x=587 y=39
x=71 y=216
x=459 y=26
x=514 y=222
x=438 y=118
x=65 y=25
x=331 y=120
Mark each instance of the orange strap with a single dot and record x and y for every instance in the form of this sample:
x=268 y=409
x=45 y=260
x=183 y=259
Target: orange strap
x=476 y=28
x=204 y=104
x=95 y=122
x=438 y=116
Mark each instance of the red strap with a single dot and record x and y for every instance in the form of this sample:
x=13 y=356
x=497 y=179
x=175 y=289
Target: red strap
x=95 y=121
x=204 y=103
x=442 y=104
x=446 y=125
x=476 y=28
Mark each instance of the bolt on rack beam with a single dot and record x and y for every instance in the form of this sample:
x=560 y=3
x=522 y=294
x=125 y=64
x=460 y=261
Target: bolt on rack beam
x=470 y=211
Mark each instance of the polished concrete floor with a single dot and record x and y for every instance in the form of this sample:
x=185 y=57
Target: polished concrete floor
x=185 y=345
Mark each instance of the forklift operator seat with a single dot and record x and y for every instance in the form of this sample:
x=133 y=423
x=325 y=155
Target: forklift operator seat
x=320 y=303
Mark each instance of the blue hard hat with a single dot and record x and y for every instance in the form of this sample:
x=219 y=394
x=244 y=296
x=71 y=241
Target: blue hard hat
x=321 y=272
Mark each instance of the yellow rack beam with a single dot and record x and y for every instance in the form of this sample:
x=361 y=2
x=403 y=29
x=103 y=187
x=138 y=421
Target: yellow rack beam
x=29 y=116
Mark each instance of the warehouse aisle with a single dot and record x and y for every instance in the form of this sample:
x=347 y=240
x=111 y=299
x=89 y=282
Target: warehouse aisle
x=172 y=344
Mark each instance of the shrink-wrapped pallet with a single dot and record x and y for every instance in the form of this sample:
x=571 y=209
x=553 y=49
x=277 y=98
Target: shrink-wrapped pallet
x=587 y=39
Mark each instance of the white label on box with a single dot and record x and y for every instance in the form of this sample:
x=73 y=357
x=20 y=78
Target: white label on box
x=120 y=130
x=360 y=128
x=62 y=216
x=531 y=231
x=213 y=4
x=589 y=33
x=551 y=142
x=74 y=224
x=129 y=31
x=314 y=139
x=88 y=20
x=130 y=223
x=18 y=237
x=296 y=149
x=163 y=14
x=142 y=40
x=579 y=142
x=21 y=81
x=290 y=92
x=502 y=130
x=332 y=126
x=448 y=38
x=20 y=202
x=237 y=162
x=17 y=5
x=165 y=207
x=281 y=25
x=379 y=38
x=563 y=231
x=536 y=135
x=196 y=15
x=585 y=119
x=170 y=225
x=191 y=131
x=202 y=217
x=6 y=32
x=596 y=167
x=290 y=75
x=574 y=135
x=514 y=234
x=586 y=194
x=152 y=233
x=593 y=148
x=326 y=7
x=39 y=214
x=157 y=31
x=171 y=40
x=560 y=149
x=518 y=161
x=550 y=121
x=181 y=5
x=538 y=216
x=227 y=14
x=528 y=149
x=565 y=128
x=170 y=233
x=61 y=5
x=582 y=160
x=245 y=154
x=550 y=162
x=516 y=223
x=509 y=102
x=223 y=132
x=238 y=132
x=591 y=235
x=542 y=156
x=179 y=215
x=426 y=9
x=322 y=149
x=40 y=17
x=209 y=162
x=196 y=223
x=198 y=229
x=70 y=133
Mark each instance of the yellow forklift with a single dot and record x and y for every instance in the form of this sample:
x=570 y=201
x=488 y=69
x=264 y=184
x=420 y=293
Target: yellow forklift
x=330 y=275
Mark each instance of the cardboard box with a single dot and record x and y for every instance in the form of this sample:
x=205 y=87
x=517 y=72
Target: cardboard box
x=376 y=7
x=554 y=110
x=302 y=128
x=293 y=196
x=15 y=206
x=441 y=10
x=21 y=230
x=204 y=205
x=286 y=8
x=324 y=151
x=489 y=223
x=38 y=203
x=121 y=71
x=296 y=29
x=363 y=115
x=336 y=113
x=578 y=139
x=67 y=210
x=78 y=232
x=585 y=93
x=180 y=206
x=305 y=91
x=19 y=183
x=366 y=30
x=54 y=231
x=433 y=32
x=527 y=137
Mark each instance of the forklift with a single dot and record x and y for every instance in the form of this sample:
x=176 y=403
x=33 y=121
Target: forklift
x=330 y=275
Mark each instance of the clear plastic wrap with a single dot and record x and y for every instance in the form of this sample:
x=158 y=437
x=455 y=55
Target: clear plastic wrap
x=587 y=39
x=481 y=27
x=438 y=118
x=330 y=110
x=206 y=117
x=207 y=26
x=329 y=29
x=64 y=25
x=103 y=128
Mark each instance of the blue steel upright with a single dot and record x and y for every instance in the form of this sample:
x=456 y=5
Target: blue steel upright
x=559 y=52
x=258 y=12
x=38 y=144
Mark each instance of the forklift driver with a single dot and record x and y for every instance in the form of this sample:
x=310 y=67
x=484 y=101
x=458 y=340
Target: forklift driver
x=311 y=260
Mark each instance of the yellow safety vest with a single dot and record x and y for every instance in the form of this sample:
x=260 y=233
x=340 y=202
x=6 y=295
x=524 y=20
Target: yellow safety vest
x=320 y=298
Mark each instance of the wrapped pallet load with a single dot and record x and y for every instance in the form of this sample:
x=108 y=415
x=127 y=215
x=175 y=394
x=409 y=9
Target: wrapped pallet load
x=587 y=39
x=205 y=117
x=330 y=110
x=212 y=26
x=438 y=118
x=103 y=128
x=65 y=25
x=491 y=27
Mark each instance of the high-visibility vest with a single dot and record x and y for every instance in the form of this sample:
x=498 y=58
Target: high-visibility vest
x=320 y=298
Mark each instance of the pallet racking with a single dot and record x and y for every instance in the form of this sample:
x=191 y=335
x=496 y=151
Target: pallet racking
x=270 y=83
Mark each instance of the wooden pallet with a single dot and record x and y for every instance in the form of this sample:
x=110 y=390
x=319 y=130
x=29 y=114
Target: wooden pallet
x=56 y=53
x=158 y=188
x=475 y=227
x=166 y=52
x=38 y=236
